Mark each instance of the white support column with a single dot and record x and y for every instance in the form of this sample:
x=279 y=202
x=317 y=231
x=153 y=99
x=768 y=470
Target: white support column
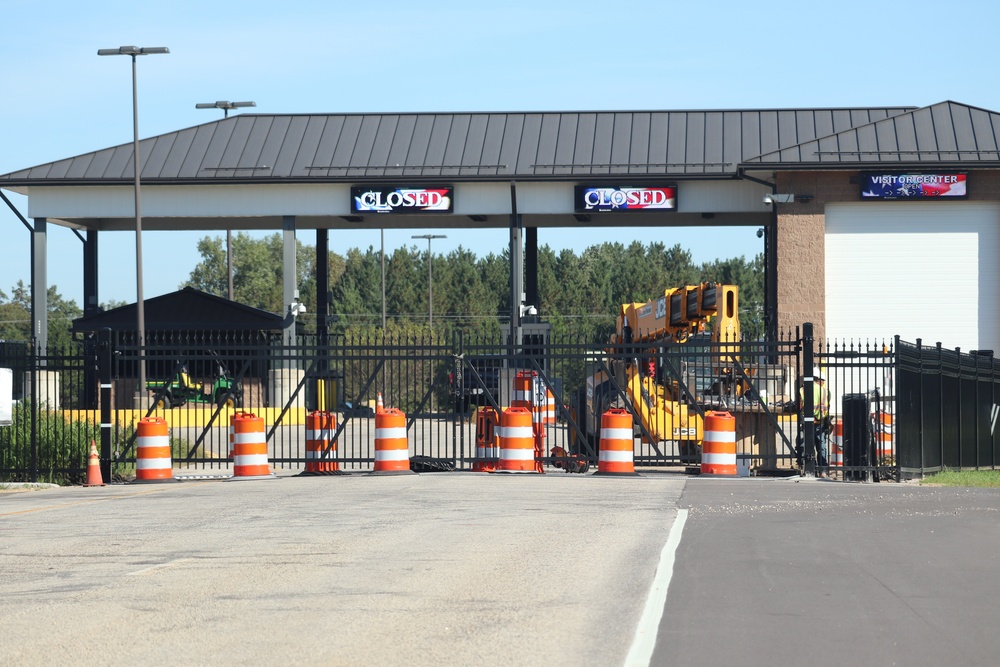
x=289 y=277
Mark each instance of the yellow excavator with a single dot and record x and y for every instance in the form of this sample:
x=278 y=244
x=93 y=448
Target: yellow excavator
x=667 y=409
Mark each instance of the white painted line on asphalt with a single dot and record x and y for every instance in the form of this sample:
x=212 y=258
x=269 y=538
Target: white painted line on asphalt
x=154 y=568
x=645 y=634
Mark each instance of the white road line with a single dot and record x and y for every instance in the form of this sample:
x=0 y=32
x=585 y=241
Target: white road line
x=645 y=634
x=154 y=568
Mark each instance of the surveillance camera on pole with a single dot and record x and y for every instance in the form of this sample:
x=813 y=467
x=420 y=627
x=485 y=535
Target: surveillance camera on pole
x=775 y=198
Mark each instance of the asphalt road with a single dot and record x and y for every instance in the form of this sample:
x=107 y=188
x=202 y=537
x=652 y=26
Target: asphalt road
x=820 y=573
x=474 y=569
x=432 y=569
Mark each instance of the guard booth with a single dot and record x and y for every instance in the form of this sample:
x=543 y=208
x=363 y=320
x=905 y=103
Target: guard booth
x=534 y=344
x=534 y=348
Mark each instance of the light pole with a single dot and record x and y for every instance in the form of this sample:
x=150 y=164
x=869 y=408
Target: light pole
x=383 y=278
x=430 y=276
x=140 y=310
x=226 y=106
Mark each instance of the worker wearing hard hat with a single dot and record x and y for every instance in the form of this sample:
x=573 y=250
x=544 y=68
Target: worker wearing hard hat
x=821 y=420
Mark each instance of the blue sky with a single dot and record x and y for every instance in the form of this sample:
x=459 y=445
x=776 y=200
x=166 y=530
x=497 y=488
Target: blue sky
x=60 y=99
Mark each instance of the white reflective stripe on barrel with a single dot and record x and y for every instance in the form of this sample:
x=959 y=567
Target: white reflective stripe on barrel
x=525 y=396
x=152 y=464
x=392 y=454
x=720 y=436
x=718 y=459
x=516 y=432
x=391 y=433
x=251 y=460
x=320 y=434
x=152 y=441
x=615 y=455
x=248 y=438
x=527 y=454
x=616 y=433
x=319 y=454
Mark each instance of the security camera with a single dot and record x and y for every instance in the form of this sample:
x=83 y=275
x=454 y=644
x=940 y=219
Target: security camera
x=776 y=198
x=760 y=233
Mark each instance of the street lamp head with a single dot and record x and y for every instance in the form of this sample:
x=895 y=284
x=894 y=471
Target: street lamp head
x=224 y=104
x=133 y=51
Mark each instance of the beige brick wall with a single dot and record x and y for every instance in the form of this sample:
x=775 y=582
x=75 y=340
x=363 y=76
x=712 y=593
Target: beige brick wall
x=801 y=251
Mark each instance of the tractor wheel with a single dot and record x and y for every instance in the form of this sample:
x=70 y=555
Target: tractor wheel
x=164 y=402
x=227 y=401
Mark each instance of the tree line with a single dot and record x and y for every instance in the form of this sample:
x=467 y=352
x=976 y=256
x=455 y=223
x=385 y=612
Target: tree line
x=580 y=292
x=577 y=292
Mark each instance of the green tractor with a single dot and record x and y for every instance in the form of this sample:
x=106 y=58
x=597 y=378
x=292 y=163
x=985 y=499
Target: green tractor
x=223 y=391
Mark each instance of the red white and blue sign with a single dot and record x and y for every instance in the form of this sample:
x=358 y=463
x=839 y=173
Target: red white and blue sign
x=379 y=199
x=608 y=198
x=913 y=186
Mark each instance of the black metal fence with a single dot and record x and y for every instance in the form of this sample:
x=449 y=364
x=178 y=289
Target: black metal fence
x=861 y=437
x=41 y=442
x=948 y=403
x=896 y=408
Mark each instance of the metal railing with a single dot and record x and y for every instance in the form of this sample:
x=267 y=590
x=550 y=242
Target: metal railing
x=441 y=380
x=948 y=402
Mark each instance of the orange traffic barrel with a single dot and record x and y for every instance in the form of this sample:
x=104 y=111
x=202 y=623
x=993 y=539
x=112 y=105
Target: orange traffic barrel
x=232 y=429
x=152 y=451
x=249 y=447
x=487 y=440
x=837 y=444
x=523 y=395
x=392 y=452
x=718 y=449
x=615 y=456
x=549 y=415
x=321 y=448
x=883 y=434
x=517 y=441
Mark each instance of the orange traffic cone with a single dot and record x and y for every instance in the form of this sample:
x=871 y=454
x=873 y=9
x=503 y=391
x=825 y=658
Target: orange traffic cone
x=379 y=406
x=94 y=467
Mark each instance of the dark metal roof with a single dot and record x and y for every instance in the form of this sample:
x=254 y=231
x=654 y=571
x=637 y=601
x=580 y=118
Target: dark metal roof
x=185 y=310
x=269 y=148
x=948 y=132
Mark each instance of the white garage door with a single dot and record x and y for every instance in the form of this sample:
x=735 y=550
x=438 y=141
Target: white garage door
x=928 y=270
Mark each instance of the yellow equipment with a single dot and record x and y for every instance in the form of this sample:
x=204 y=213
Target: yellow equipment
x=644 y=328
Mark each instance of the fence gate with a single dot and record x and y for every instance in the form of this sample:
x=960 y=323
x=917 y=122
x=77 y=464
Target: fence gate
x=87 y=392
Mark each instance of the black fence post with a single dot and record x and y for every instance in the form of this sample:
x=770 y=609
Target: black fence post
x=958 y=422
x=897 y=392
x=920 y=404
x=103 y=363
x=808 y=407
x=993 y=406
x=940 y=405
x=35 y=407
x=458 y=389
